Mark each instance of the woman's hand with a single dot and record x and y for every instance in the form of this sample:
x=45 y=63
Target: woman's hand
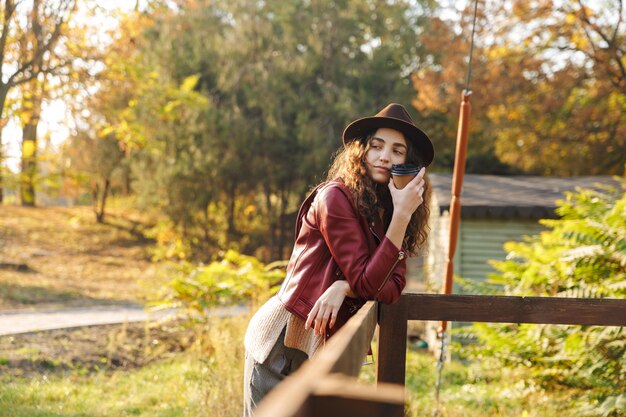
x=326 y=308
x=408 y=199
x=405 y=202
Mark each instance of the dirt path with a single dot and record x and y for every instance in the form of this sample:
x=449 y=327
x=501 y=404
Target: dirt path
x=16 y=322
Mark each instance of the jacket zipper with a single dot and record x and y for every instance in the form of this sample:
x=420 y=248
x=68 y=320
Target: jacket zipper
x=374 y=233
x=401 y=256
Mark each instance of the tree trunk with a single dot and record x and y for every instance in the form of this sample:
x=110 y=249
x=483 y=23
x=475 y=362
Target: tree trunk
x=95 y=192
x=126 y=179
x=4 y=89
x=103 y=199
x=29 y=155
x=1 y=168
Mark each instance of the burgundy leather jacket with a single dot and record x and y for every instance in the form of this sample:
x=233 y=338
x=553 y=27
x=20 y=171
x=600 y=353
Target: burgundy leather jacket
x=335 y=241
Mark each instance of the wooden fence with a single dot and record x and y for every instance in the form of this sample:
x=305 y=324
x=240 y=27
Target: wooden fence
x=326 y=386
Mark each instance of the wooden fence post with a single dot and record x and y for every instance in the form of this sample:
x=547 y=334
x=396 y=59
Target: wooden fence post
x=391 y=361
x=321 y=388
x=340 y=396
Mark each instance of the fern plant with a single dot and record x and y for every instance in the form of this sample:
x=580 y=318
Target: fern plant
x=582 y=254
x=236 y=278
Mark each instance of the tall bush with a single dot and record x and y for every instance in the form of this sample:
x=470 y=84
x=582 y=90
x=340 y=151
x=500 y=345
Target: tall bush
x=583 y=254
x=234 y=279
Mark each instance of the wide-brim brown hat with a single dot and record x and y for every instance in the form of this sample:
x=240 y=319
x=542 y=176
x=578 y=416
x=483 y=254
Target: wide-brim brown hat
x=394 y=116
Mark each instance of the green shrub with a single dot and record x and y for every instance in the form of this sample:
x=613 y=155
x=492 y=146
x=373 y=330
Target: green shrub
x=582 y=255
x=236 y=278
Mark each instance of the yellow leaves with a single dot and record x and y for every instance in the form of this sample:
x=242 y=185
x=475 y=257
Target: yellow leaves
x=496 y=112
x=106 y=131
x=25 y=114
x=506 y=112
x=580 y=41
x=588 y=12
x=514 y=114
x=170 y=106
x=250 y=210
x=499 y=51
x=616 y=102
x=28 y=149
x=190 y=83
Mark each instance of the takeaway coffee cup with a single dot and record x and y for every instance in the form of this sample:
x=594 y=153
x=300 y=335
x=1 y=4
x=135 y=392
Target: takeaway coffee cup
x=403 y=173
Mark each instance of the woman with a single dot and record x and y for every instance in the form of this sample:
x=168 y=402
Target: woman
x=353 y=234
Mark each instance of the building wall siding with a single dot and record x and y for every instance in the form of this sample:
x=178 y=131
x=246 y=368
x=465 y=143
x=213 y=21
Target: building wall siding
x=483 y=239
x=480 y=240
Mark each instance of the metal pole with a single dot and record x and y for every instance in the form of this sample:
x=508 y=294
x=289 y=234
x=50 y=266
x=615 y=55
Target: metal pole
x=457 y=185
x=455 y=216
x=455 y=203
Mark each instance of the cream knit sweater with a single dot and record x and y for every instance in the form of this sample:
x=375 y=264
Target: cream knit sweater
x=267 y=324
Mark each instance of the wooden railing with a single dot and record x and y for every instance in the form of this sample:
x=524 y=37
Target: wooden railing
x=326 y=385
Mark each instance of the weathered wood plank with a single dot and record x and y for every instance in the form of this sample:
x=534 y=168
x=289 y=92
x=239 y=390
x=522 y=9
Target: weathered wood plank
x=348 y=350
x=344 y=353
x=505 y=309
x=390 y=365
x=340 y=396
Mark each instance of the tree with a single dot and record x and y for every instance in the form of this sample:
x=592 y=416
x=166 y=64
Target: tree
x=546 y=89
x=582 y=82
x=298 y=88
x=95 y=160
x=99 y=147
x=160 y=120
x=25 y=45
x=277 y=98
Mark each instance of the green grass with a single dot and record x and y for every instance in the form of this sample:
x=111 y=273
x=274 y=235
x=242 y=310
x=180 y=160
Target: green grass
x=204 y=381
x=469 y=390
x=172 y=388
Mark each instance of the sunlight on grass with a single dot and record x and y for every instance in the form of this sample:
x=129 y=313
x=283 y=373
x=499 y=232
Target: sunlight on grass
x=85 y=263
x=164 y=389
x=469 y=391
x=205 y=381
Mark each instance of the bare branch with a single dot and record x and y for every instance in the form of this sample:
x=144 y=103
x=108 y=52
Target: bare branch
x=590 y=39
x=597 y=29
x=40 y=50
x=588 y=54
x=14 y=80
x=617 y=78
x=9 y=9
x=619 y=22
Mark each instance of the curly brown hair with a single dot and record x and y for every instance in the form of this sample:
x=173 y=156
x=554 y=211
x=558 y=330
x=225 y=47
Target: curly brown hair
x=349 y=166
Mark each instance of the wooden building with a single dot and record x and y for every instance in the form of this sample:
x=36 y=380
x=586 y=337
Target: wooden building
x=495 y=210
